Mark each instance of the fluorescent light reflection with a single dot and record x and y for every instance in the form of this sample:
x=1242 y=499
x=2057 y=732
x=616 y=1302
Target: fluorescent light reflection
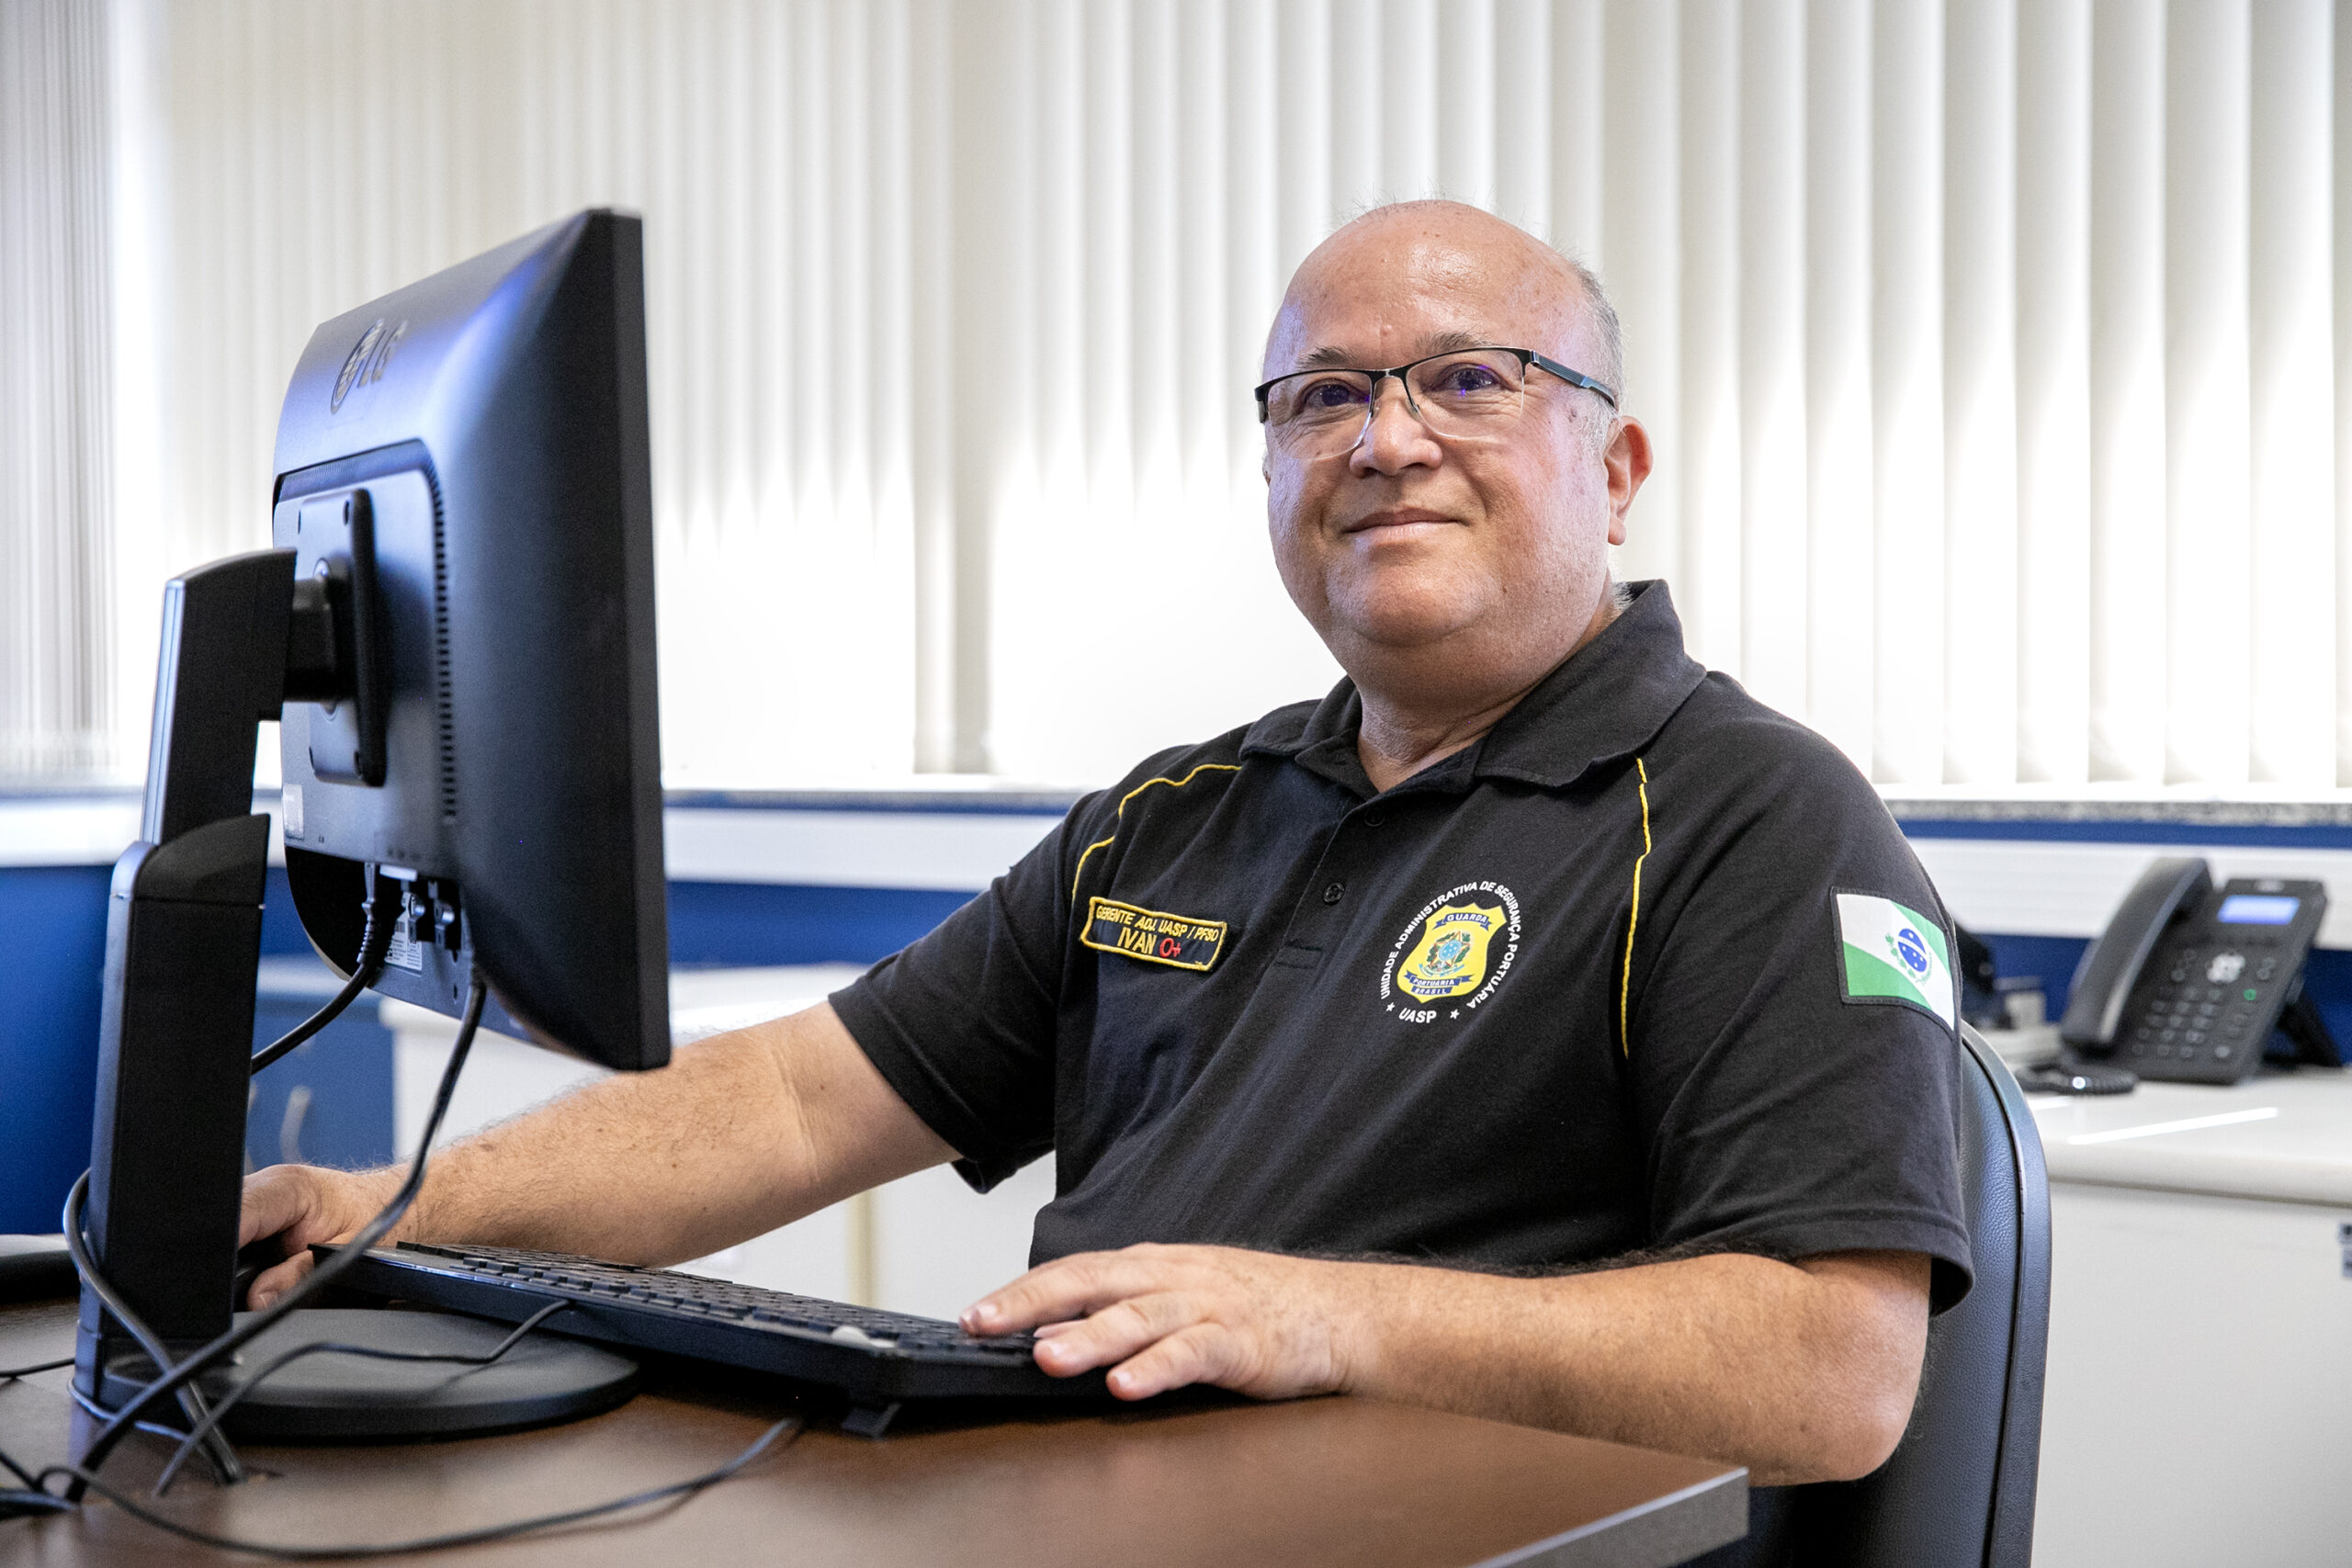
x=2186 y=1125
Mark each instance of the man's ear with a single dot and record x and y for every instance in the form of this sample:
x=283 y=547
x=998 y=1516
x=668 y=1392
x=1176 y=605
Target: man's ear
x=1626 y=457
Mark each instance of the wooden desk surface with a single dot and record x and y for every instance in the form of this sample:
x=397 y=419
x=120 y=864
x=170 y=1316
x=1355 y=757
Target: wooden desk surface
x=1329 y=1480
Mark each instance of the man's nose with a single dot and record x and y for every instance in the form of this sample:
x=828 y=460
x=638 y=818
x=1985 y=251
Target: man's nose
x=1394 y=436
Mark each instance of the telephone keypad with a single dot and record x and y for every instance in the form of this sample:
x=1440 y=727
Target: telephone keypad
x=2203 y=1008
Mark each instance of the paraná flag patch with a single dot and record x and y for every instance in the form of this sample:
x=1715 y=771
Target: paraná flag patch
x=1889 y=953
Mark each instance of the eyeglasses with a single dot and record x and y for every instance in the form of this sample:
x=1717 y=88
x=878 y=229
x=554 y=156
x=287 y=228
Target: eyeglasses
x=1470 y=392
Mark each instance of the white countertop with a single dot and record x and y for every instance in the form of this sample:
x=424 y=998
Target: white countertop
x=2286 y=1137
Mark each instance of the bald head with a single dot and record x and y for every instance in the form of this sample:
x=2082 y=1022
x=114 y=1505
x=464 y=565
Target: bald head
x=1451 y=249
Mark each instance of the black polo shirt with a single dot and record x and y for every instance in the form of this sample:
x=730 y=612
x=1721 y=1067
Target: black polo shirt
x=1648 y=968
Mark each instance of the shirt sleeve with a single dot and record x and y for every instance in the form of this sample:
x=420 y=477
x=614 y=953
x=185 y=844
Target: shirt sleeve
x=961 y=1023
x=1787 y=1110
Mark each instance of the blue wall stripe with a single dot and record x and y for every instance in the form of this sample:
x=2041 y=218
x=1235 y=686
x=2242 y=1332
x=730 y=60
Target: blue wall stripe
x=2315 y=836
x=52 y=948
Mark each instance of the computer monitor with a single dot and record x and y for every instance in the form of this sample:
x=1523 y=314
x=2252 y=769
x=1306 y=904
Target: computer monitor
x=456 y=627
x=470 y=453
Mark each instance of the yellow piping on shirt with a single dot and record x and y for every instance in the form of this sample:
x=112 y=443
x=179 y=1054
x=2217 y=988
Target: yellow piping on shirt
x=1119 y=814
x=1625 y=987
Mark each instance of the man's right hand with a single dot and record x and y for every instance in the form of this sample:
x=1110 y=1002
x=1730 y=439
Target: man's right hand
x=302 y=1205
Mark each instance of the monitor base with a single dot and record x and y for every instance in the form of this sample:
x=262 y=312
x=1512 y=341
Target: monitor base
x=327 y=1397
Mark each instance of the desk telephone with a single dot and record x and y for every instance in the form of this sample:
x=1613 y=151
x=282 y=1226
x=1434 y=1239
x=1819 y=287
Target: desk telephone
x=2189 y=981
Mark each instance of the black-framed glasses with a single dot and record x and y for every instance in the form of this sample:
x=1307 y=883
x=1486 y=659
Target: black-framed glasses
x=1465 y=392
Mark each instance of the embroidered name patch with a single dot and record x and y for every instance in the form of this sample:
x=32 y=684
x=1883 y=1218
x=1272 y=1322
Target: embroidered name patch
x=1177 y=940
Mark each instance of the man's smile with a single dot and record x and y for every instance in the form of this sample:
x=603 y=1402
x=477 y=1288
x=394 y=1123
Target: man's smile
x=1398 y=521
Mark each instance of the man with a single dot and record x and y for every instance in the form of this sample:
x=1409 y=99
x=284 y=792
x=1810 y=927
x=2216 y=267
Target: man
x=1535 y=1027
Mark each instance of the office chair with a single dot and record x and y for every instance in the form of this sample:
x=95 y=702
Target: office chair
x=1959 y=1491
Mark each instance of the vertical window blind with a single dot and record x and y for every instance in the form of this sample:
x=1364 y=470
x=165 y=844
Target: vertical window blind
x=56 y=701
x=1991 y=350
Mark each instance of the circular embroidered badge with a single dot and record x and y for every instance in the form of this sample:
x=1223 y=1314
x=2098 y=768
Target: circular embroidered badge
x=1452 y=955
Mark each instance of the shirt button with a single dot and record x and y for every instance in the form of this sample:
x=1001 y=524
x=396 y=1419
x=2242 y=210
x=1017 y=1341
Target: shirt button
x=1374 y=818
x=1331 y=894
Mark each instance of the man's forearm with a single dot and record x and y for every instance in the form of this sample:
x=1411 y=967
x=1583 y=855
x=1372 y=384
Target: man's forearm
x=738 y=1135
x=638 y=1167
x=1802 y=1371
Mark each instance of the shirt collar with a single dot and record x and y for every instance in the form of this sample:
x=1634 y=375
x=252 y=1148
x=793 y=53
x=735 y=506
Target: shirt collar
x=1602 y=703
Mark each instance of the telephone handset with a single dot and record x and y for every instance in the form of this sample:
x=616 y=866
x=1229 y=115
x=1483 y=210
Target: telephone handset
x=2189 y=981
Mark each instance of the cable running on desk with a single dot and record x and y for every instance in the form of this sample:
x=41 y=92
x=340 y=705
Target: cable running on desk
x=227 y=1475
x=317 y=1281
x=36 y=1498
x=676 y=1490
x=220 y=1411
x=11 y=1373
x=191 y=1401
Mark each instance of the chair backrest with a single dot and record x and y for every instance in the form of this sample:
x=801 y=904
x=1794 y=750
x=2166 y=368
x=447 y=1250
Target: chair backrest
x=1959 y=1492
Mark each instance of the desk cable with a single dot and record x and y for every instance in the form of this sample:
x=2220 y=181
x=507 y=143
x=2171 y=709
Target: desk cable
x=212 y=1451
x=177 y=1377
x=374 y=942
x=177 y=1380
x=677 y=1491
x=219 y=1412
x=191 y=1401
x=10 y=1373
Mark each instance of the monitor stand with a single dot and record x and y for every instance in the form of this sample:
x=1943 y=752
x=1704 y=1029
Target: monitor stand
x=174 y=1067
x=340 y=1396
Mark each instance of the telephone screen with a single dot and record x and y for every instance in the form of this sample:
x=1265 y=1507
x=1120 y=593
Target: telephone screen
x=2258 y=909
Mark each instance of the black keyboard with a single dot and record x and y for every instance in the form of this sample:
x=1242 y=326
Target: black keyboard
x=877 y=1357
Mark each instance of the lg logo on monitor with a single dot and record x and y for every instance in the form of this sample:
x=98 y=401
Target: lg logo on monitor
x=370 y=357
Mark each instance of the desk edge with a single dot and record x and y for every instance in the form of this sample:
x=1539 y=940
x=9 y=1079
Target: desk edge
x=1665 y=1530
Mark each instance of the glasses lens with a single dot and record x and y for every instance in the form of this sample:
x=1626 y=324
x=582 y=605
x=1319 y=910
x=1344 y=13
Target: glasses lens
x=1463 y=394
x=1317 y=408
